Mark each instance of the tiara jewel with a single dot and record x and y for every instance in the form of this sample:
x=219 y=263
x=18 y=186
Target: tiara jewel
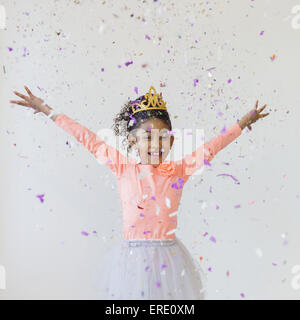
x=150 y=102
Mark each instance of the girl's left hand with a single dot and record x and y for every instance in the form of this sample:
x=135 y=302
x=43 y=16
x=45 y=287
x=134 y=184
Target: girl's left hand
x=253 y=116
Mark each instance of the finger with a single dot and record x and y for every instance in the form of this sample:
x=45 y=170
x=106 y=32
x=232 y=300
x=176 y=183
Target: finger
x=262 y=108
x=21 y=95
x=256 y=104
x=263 y=115
x=28 y=91
x=23 y=103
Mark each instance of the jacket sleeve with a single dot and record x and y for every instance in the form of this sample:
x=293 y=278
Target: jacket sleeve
x=207 y=151
x=103 y=152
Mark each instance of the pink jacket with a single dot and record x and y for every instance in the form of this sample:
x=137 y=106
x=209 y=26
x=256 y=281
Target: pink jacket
x=150 y=196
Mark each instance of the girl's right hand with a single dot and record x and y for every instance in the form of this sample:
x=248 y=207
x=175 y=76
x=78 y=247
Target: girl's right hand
x=32 y=102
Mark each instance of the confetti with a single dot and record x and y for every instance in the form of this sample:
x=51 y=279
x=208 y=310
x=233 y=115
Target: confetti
x=128 y=63
x=84 y=233
x=41 y=197
x=213 y=239
x=229 y=175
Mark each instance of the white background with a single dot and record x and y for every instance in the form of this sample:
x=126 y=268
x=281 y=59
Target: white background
x=41 y=246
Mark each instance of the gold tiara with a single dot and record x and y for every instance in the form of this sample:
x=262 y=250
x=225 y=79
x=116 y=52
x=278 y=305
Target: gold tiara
x=150 y=102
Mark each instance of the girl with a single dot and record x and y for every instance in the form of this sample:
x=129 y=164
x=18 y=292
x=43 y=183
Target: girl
x=150 y=262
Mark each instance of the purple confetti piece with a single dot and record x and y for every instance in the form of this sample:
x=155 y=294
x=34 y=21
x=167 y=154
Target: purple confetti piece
x=136 y=90
x=195 y=82
x=158 y=284
x=217 y=207
x=274 y=264
x=142 y=215
x=209 y=269
x=262 y=32
x=237 y=206
x=10 y=49
x=207 y=163
x=223 y=130
x=147 y=37
x=133 y=118
x=242 y=295
x=210 y=189
x=229 y=175
x=41 y=197
x=147 y=268
x=84 y=233
x=212 y=68
x=229 y=80
x=213 y=239
x=153 y=198
x=205 y=234
x=128 y=63
x=163 y=266
x=102 y=69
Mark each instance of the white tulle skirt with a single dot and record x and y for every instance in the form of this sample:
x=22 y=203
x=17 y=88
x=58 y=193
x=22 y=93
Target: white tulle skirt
x=149 y=270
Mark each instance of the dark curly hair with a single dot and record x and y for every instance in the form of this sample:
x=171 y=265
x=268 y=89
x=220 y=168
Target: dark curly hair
x=125 y=122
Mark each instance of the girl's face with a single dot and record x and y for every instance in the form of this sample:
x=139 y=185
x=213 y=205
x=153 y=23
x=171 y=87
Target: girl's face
x=153 y=141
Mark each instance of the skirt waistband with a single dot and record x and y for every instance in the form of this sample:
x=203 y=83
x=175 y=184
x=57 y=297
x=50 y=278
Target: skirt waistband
x=149 y=242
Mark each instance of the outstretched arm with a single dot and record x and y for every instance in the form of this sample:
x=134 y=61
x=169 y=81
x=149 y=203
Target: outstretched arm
x=103 y=152
x=206 y=152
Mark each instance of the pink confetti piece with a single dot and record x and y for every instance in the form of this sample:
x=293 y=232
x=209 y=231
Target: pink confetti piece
x=205 y=234
x=217 y=207
x=41 y=197
x=229 y=175
x=227 y=273
x=213 y=239
x=84 y=233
